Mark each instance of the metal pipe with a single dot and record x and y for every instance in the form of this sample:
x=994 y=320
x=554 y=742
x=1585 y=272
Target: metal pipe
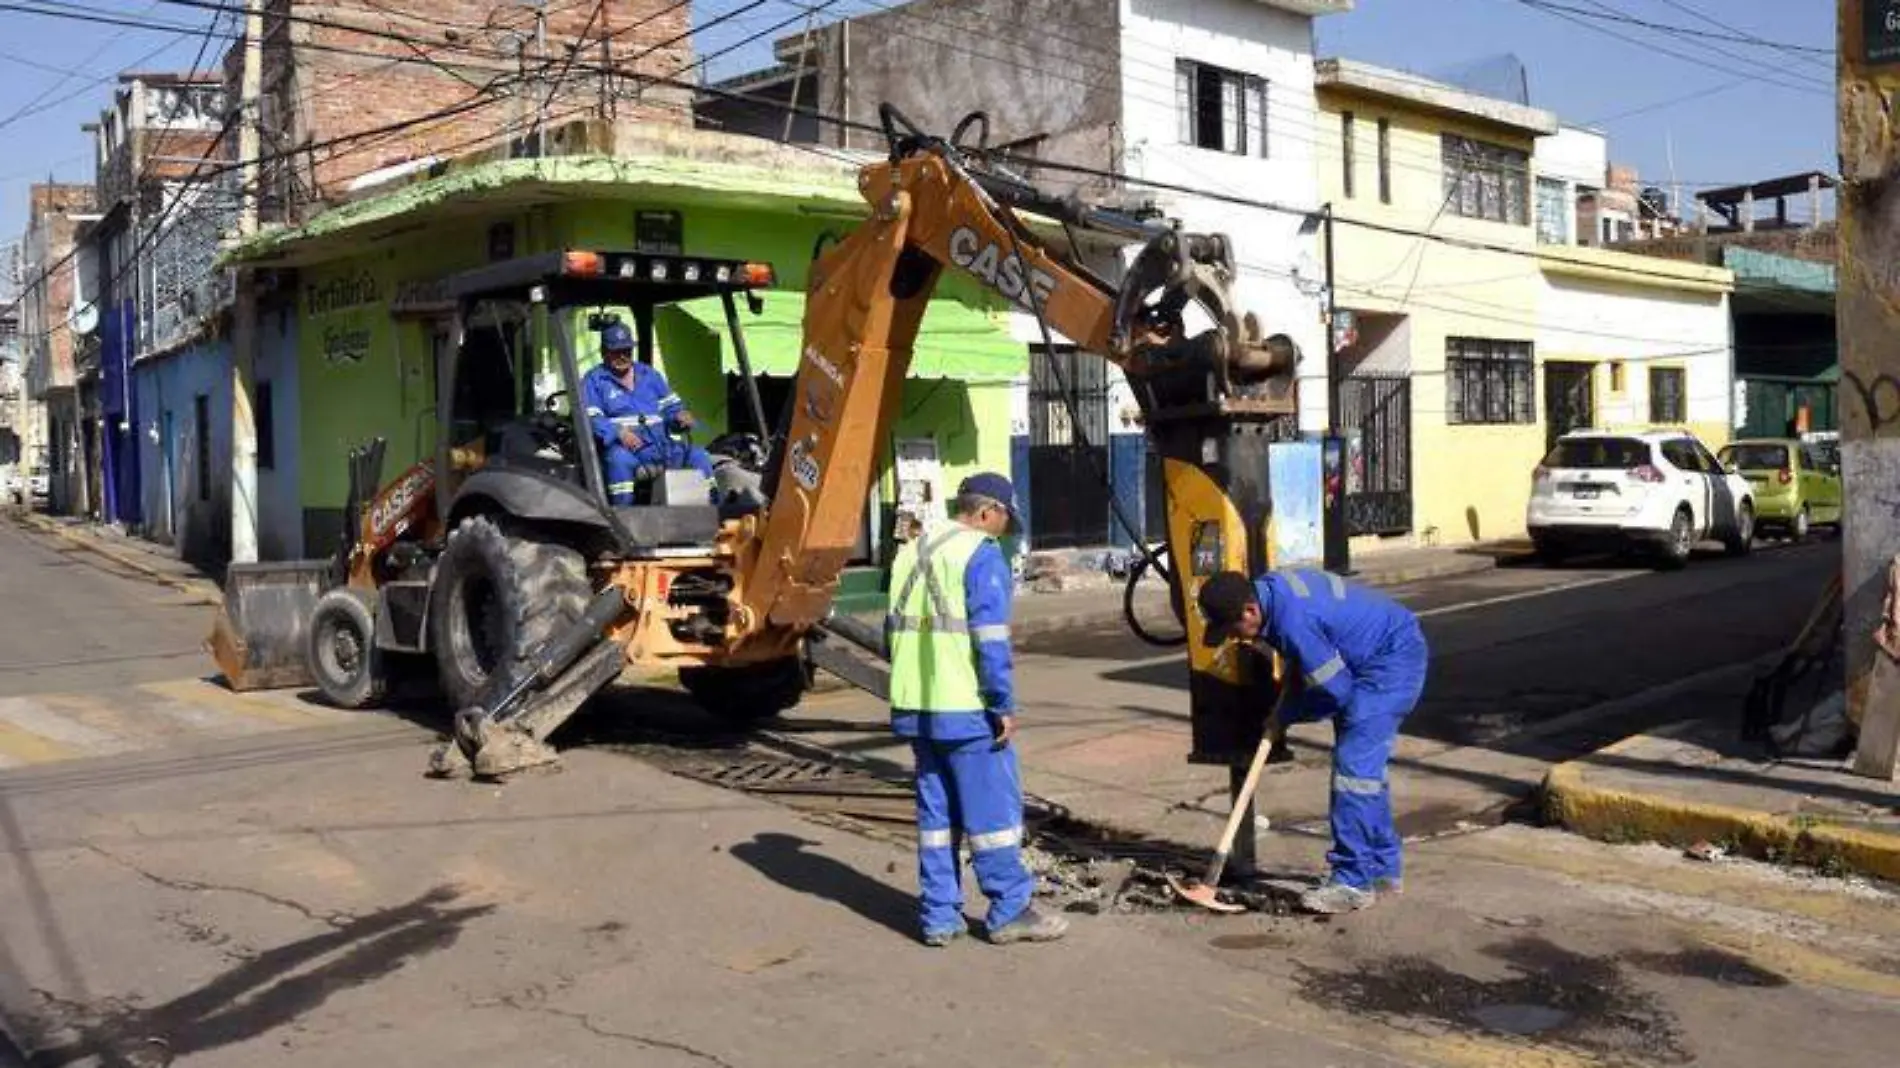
x=745 y=365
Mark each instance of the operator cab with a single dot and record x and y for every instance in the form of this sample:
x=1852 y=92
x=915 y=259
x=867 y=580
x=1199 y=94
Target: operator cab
x=517 y=438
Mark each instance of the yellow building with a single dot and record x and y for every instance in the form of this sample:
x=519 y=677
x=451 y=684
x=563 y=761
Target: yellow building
x=1457 y=315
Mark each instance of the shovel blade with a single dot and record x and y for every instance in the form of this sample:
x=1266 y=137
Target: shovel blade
x=1202 y=894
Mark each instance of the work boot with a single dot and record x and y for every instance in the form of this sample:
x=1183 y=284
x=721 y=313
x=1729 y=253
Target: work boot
x=1033 y=925
x=940 y=939
x=1335 y=898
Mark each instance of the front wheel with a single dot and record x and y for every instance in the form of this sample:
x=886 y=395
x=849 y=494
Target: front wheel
x=497 y=599
x=1743 y=540
x=341 y=650
x=747 y=693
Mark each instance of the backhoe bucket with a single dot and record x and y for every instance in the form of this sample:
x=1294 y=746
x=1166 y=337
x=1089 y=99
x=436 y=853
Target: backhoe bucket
x=258 y=639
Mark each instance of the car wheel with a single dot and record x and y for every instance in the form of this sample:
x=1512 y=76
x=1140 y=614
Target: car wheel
x=342 y=653
x=497 y=600
x=1743 y=540
x=1679 y=541
x=1803 y=523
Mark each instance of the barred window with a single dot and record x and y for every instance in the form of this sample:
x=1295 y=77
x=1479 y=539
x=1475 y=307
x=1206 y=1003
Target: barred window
x=1665 y=395
x=1489 y=381
x=1221 y=110
x=1486 y=181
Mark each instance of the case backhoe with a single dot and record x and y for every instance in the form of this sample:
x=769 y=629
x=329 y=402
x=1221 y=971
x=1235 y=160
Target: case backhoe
x=531 y=593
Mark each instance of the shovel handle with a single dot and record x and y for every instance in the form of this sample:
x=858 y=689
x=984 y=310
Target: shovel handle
x=1244 y=799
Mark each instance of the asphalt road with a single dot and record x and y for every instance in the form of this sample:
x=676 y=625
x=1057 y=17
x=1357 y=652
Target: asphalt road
x=1520 y=646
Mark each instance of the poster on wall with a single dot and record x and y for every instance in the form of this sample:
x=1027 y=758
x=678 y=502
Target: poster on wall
x=339 y=308
x=919 y=476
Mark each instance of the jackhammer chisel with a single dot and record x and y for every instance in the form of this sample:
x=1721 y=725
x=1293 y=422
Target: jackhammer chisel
x=497 y=737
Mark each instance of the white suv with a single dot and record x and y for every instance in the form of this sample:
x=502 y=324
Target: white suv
x=1661 y=490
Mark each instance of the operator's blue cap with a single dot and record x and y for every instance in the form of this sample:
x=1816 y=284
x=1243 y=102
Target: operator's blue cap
x=996 y=488
x=616 y=337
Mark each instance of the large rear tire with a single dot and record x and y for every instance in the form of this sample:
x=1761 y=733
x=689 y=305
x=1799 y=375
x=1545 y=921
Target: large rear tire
x=748 y=693
x=498 y=598
x=340 y=649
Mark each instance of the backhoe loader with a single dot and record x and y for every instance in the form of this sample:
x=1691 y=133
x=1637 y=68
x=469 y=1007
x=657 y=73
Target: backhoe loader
x=530 y=592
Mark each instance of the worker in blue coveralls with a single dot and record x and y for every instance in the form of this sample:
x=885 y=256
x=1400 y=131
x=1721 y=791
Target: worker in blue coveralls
x=634 y=412
x=1357 y=656
x=953 y=698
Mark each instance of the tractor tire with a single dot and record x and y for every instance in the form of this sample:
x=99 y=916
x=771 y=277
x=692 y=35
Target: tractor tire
x=749 y=693
x=340 y=649
x=498 y=598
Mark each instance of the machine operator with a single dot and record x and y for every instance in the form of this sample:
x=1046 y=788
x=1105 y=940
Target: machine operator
x=1359 y=657
x=953 y=697
x=634 y=414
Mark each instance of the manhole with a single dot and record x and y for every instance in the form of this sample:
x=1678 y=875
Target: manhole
x=1520 y=1019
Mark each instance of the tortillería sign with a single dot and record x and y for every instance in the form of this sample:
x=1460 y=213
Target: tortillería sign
x=343 y=291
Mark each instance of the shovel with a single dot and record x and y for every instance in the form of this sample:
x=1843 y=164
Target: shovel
x=1206 y=892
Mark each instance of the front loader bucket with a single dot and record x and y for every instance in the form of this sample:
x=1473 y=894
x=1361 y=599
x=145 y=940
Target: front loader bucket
x=258 y=639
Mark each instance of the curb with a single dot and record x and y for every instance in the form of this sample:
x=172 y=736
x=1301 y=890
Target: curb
x=200 y=588
x=1621 y=816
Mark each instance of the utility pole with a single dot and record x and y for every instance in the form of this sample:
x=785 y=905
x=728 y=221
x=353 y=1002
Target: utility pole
x=244 y=314
x=1870 y=378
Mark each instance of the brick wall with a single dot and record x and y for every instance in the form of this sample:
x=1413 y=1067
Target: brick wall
x=324 y=82
x=1816 y=245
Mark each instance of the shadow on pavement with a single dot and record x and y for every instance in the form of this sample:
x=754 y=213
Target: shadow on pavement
x=784 y=859
x=267 y=991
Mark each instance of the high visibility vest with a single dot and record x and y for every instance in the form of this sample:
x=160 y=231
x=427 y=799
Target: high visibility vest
x=933 y=661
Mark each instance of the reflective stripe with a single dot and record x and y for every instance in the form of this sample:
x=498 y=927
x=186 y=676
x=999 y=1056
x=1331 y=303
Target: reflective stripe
x=983 y=843
x=595 y=413
x=637 y=420
x=1320 y=675
x=1338 y=584
x=622 y=487
x=935 y=839
x=670 y=398
x=993 y=632
x=1299 y=585
x=1346 y=784
x=933 y=589
x=897 y=624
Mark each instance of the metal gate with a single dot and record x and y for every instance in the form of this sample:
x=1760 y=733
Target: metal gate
x=1379 y=467
x=1569 y=403
x=1068 y=502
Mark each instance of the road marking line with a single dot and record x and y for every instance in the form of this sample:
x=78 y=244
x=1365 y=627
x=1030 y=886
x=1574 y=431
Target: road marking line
x=1525 y=595
x=19 y=746
x=32 y=714
x=121 y=715
x=200 y=692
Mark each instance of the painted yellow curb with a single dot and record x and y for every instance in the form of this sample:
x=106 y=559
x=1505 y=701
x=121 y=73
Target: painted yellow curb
x=1613 y=815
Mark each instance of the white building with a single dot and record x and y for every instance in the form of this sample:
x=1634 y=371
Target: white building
x=1215 y=95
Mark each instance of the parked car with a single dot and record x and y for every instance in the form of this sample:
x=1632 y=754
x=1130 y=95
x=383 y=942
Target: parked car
x=1659 y=490
x=39 y=485
x=1795 y=484
x=13 y=485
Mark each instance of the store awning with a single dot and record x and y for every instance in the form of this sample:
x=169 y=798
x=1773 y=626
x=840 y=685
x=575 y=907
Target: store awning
x=956 y=341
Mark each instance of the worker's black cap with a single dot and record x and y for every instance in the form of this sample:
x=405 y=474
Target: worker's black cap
x=1222 y=598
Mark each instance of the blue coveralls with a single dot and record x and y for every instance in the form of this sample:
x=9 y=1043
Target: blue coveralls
x=967 y=790
x=1361 y=658
x=649 y=406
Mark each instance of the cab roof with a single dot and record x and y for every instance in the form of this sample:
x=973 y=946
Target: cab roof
x=588 y=276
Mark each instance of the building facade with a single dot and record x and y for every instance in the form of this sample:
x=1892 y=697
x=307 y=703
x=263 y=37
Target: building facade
x=1477 y=328
x=54 y=313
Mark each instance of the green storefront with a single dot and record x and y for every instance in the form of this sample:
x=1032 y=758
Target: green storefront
x=371 y=325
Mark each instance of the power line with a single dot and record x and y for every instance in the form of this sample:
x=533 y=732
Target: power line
x=1564 y=12
x=1611 y=14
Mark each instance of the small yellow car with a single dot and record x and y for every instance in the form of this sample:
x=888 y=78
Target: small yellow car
x=1796 y=485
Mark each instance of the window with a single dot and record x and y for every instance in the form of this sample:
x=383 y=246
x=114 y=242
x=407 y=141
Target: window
x=1598 y=454
x=201 y=429
x=1485 y=181
x=1489 y=381
x=1347 y=156
x=1553 y=212
x=1221 y=110
x=1759 y=457
x=266 y=429
x=1385 y=161
x=1619 y=380
x=1665 y=395
x=1680 y=452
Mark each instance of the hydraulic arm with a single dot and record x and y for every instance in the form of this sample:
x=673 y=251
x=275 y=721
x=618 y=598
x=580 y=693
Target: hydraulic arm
x=1214 y=393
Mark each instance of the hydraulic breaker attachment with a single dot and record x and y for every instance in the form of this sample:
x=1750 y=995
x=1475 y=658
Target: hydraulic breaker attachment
x=509 y=734
x=852 y=651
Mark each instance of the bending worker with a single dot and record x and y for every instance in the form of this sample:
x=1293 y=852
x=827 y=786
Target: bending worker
x=634 y=413
x=1359 y=657
x=952 y=696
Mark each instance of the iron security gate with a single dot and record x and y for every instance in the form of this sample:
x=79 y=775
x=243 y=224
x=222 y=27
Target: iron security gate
x=1379 y=462
x=1068 y=503
x=1569 y=403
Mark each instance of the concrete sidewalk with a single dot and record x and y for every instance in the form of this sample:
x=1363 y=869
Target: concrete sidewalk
x=144 y=559
x=1697 y=783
